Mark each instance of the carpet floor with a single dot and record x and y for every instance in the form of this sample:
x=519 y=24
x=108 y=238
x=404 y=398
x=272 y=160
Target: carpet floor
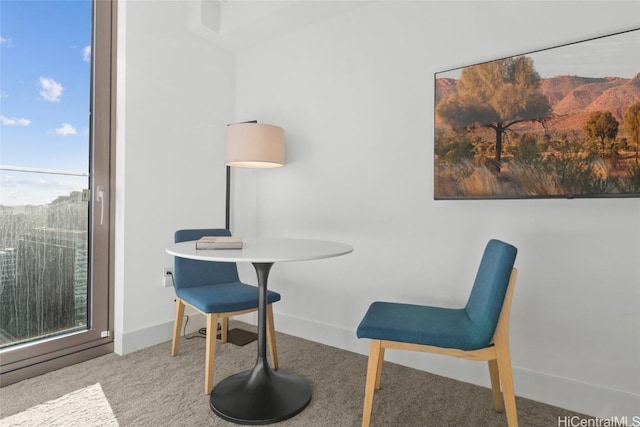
x=84 y=407
x=151 y=388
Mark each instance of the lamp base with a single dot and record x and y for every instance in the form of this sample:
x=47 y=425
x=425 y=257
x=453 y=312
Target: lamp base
x=240 y=337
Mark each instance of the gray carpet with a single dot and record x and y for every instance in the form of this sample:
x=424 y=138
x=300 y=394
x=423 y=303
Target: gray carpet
x=151 y=388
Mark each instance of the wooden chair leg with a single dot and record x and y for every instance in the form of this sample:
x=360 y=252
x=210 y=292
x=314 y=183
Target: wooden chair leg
x=177 y=325
x=495 y=385
x=506 y=379
x=224 y=329
x=271 y=335
x=212 y=326
x=379 y=369
x=372 y=375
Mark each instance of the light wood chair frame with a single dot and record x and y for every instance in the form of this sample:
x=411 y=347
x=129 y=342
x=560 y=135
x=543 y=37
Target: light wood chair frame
x=212 y=332
x=497 y=355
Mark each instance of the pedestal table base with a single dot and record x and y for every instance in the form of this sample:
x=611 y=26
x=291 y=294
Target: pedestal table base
x=260 y=396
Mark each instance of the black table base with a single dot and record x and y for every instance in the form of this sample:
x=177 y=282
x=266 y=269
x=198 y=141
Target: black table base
x=260 y=396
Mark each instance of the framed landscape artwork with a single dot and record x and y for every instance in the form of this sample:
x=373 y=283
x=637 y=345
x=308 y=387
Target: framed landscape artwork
x=560 y=122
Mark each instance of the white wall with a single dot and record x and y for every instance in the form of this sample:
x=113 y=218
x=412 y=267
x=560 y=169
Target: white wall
x=355 y=96
x=175 y=97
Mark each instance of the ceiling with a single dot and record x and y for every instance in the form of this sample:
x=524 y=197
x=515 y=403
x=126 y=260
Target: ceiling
x=240 y=24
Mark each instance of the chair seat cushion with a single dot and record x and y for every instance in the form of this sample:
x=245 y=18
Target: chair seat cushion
x=224 y=297
x=417 y=324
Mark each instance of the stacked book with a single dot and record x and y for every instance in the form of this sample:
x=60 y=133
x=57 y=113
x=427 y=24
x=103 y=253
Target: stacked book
x=219 y=242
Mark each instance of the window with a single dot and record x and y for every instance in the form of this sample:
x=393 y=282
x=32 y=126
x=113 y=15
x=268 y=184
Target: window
x=57 y=123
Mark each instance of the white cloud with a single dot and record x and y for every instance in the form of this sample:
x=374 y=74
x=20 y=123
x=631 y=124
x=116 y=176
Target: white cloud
x=65 y=130
x=14 y=121
x=5 y=41
x=86 y=54
x=50 y=89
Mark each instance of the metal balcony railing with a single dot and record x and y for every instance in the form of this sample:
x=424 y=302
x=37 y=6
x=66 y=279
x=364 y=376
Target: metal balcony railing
x=42 y=170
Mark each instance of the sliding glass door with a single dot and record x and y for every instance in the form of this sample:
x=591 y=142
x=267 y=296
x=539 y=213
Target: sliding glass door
x=56 y=90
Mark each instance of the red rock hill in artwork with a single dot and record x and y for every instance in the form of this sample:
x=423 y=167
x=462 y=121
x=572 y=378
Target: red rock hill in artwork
x=444 y=87
x=573 y=98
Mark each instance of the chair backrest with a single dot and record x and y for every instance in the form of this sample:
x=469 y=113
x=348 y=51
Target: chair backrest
x=489 y=289
x=189 y=272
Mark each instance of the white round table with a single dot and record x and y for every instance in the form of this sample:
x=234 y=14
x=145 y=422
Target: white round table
x=262 y=395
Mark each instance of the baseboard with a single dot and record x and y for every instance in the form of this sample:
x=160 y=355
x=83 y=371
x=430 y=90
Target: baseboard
x=588 y=399
x=157 y=334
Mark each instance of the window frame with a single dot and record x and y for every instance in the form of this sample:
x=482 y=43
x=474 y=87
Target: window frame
x=29 y=360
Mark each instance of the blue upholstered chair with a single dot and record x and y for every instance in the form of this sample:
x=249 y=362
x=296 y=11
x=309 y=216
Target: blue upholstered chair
x=479 y=331
x=214 y=289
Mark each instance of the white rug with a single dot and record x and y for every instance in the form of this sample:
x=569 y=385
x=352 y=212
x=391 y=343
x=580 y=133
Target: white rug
x=87 y=407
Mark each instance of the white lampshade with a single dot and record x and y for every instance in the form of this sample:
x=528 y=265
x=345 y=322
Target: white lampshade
x=254 y=145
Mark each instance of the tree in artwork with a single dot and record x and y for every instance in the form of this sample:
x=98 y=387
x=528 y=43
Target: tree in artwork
x=496 y=95
x=601 y=126
x=632 y=123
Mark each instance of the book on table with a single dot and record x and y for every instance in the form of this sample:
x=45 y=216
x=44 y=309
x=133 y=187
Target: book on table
x=219 y=242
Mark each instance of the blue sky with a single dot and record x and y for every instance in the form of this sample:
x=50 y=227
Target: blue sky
x=44 y=97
